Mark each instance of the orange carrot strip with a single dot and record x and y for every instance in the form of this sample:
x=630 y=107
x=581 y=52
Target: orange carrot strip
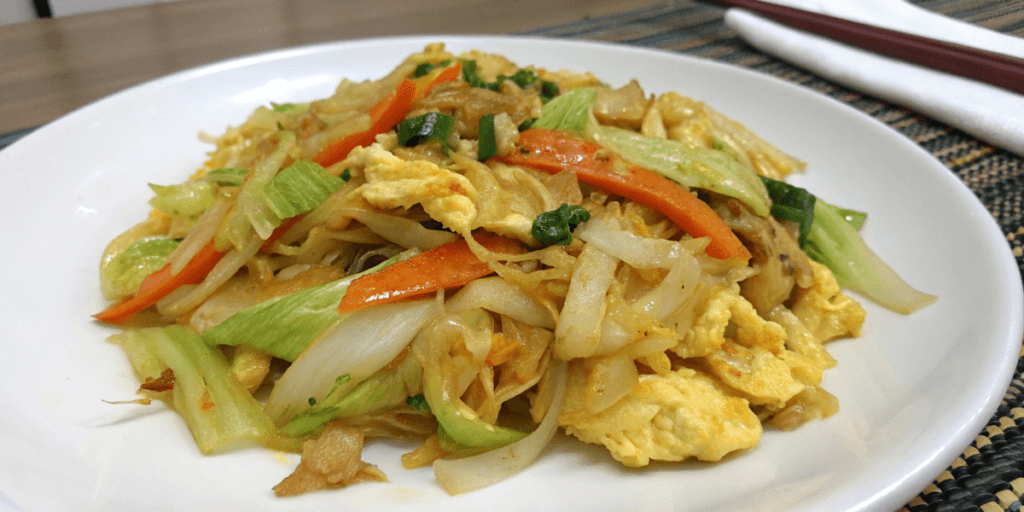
x=160 y=283
x=449 y=266
x=279 y=231
x=447 y=74
x=389 y=112
x=552 y=151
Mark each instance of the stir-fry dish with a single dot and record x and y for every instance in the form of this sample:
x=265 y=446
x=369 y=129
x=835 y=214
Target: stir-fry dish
x=475 y=255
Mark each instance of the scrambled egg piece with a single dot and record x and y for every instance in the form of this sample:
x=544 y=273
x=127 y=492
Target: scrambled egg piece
x=724 y=310
x=826 y=311
x=666 y=417
x=760 y=376
x=391 y=182
x=806 y=357
x=510 y=198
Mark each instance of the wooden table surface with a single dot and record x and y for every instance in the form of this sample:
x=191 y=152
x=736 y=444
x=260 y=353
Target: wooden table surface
x=50 y=67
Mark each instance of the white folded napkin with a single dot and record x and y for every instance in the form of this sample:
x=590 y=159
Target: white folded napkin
x=989 y=113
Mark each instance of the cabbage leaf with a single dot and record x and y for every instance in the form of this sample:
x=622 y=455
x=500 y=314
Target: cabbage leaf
x=284 y=326
x=216 y=407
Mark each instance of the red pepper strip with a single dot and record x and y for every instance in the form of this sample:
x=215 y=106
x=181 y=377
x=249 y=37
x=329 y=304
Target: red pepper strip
x=391 y=110
x=449 y=266
x=552 y=151
x=160 y=283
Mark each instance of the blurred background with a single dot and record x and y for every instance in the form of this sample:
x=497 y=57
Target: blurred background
x=13 y=11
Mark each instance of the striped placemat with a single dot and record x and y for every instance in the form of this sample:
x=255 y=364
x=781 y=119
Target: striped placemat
x=988 y=475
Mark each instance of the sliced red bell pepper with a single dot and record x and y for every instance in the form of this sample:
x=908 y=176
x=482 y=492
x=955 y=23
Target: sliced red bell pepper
x=553 y=151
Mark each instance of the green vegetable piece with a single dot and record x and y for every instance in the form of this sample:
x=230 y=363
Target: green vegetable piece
x=422 y=69
x=791 y=203
x=704 y=168
x=121 y=275
x=289 y=108
x=526 y=125
x=555 y=227
x=488 y=143
x=852 y=217
x=384 y=389
x=829 y=236
x=433 y=125
x=216 y=407
x=299 y=188
x=548 y=90
x=469 y=74
x=833 y=241
x=346 y=175
x=524 y=78
x=569 y=111
x=230 y=177
x=418 y=402
x=426 y=67
x=184 y=201
x=284 y=326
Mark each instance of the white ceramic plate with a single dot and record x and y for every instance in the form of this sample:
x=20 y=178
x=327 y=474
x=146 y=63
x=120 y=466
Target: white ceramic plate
x=914 y=390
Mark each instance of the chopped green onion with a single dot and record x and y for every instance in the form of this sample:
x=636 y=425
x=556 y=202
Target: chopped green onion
x=471 y=78
x=418 y=402
x=555 y=227
x=433 y=125
x=548 y=90
x=791 y=203
x=526 y=125
x=488 y=146
x=524 y=77
x=346 y=174
x=426 y=67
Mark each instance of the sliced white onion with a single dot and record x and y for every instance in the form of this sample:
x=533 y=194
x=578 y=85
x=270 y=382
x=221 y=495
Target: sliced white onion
x=179 y=304
x=501 y=296
x=579 y=323
x=199 y=235
x=401 y=230
x=671 y=292
x=471 y=473
x=636 y=251
x=359 y=345
x=610 y=378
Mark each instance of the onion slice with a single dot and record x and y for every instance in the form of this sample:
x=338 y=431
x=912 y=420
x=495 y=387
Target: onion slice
x=460 y=476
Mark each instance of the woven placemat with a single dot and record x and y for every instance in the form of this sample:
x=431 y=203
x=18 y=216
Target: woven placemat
x=989 y=476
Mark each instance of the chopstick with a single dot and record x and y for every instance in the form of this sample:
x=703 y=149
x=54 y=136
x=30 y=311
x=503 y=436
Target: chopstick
x=989 y=67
